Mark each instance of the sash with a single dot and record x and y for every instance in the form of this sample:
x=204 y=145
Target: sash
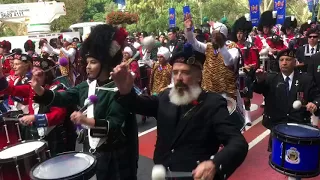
x=93 y=141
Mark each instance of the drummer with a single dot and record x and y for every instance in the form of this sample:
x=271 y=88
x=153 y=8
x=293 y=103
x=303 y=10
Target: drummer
x=42 y=121
x=112 y=130
x=191 y=122
x=282 y=89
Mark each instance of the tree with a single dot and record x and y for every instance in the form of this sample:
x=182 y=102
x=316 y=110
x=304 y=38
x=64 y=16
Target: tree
x=96 y=10
x=75 y=10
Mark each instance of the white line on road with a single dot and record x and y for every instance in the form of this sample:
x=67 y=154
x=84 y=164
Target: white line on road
x=147 y=131
x=259 y=138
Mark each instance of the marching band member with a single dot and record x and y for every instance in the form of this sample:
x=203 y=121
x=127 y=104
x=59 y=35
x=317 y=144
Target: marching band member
x=189 y=120
x=161 y=72
x=7 y=64
x=250 y=55
x=221 y=68
x=112 y=130
x=282 y=89
x=22 y=65
x=30 y=48
x=41 y=121
x=290 y=24
x=173 y=44
x=268 y=39
x=67 y=51
x=306 y=51
x=134 y=66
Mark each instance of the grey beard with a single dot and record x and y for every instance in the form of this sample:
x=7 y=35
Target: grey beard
x=186 y=97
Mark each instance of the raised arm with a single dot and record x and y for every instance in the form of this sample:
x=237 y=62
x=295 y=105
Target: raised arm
x=144 y=105
x=197 y=45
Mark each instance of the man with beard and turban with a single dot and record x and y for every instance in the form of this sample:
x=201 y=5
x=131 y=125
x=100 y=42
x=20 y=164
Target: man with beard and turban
x=192 y=123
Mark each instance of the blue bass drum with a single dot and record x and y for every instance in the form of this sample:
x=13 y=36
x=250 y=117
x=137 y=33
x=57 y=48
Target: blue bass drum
x=296 y=150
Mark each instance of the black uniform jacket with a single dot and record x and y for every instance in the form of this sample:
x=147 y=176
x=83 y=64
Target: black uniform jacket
x=278 y=106
x=187 y=135
x=314 y=68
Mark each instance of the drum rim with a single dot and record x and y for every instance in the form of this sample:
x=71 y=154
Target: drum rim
x=90 y=171
x=24 y=155
x=307 y=139
x=283 y=170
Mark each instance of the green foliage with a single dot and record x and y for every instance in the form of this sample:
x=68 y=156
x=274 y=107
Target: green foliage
x=75 y=9
x=96 y=10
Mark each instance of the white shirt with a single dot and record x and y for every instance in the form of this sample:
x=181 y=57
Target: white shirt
x=291 y=78
x=228 y=59
x=314 y=49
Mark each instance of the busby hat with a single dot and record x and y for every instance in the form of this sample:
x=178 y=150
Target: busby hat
x=189 y=56
x=42 y=42
x=105 y=43
x=267 y=19
x=29 y=46
x=304 y=27
x=242 y=24
x=289 y=22
x=3 y=44
x=291 y=52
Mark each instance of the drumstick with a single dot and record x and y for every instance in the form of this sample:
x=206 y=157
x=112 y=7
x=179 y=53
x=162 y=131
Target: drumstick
x=127 y=63
x=159 y=173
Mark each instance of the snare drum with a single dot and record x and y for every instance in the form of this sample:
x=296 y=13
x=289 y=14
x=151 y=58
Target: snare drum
x=10 y=132
x=296 y=150
x=16 y=161
x=235 y=116
x=69 y=165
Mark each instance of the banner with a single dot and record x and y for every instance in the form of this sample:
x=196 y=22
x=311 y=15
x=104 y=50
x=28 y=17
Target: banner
x=186 y=10
x=172 y=17
x=280 y=7
x=255 y=11
x=310 y=5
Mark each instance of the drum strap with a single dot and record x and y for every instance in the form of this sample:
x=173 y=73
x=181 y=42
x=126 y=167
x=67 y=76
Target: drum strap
x=93 y=141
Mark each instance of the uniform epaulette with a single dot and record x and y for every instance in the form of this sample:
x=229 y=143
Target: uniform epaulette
x=231 y=44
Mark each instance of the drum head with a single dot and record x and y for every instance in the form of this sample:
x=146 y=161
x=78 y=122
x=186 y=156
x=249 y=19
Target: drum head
x=298 y=130
x=20 y=149
x=64 y=166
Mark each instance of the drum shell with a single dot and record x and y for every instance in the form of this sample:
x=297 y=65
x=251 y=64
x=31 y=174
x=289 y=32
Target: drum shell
x=8 y=170
x=13 y=133
x=88 y=174
x=307 y=164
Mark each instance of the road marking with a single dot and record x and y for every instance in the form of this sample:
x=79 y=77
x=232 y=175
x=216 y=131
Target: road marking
x=147 y=131
x=259 y=138
x=259 y=119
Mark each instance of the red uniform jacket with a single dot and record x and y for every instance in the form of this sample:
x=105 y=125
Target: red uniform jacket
x=6 y=68
x=54 y=117
x=273 y=45
x=250 y=56
x=16 y=81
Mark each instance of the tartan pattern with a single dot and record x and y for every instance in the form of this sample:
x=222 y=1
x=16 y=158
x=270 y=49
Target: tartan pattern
x=216 y=77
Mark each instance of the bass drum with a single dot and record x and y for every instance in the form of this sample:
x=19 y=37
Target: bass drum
x=235 y=116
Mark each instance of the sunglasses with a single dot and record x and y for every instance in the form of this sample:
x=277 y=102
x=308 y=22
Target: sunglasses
x=313 y=37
